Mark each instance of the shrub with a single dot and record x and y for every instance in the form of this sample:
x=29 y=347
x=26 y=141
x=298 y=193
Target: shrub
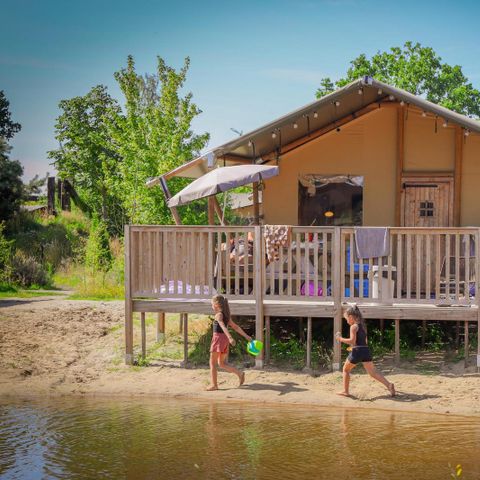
x=26 y=271
x=5 y=255
x=98 y=255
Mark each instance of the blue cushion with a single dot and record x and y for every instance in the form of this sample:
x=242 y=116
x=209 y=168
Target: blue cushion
x=356 y=266
x=356 y=288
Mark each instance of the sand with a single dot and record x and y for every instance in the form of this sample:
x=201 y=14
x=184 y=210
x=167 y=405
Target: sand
x=53 y=346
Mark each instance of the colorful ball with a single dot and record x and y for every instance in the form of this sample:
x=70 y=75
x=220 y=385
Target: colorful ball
x=254 y=347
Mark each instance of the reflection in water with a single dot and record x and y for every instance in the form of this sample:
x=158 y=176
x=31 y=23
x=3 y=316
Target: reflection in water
x=85 y=438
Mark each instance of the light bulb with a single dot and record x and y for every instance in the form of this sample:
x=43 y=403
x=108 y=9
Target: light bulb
x=360 y=91
x=337 y=103
x=315 y=115
x=250 y=143
x=295 y=125
x=445 y=124
x=380 y=91
x=467 y=133
x=424 y=114
x=274 y=135
x=391 y=97
x=402 y=103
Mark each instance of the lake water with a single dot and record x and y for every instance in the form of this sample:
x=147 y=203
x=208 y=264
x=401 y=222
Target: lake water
x=76 y=438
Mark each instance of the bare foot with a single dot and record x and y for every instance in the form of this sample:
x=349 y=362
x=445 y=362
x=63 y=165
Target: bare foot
x=344 y=394
x=242 y=379
x=391 y=389
x=211 y=388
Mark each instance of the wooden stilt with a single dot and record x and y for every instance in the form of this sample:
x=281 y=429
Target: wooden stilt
x=144 y=334
x=256 y=204
x=466 y=343
x=211 y=211
x=267 y=340
x=184 y=317
x=397 y=341
x=258 y=266
x=457 y=336
x=478 y=342
x=337 y=294
x=160 y=327
x=382 y=329
x=309 y=343
x=128 y=301
x=180 y=323
x=424 y=331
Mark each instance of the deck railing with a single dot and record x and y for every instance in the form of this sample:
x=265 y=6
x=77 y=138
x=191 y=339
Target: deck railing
x=424 y=265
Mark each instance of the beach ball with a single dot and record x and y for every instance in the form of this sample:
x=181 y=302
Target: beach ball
x=254 y=347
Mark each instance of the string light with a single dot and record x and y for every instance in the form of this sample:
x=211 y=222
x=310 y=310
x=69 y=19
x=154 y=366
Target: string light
x=360 y=91
x=380 y=91
x=467 y=133
x=445 y=124
x=337 y=103
x=315 y=115
x=295 y=125
x=424 y=113
x=250 y=143
x=391 y=97
x=274 y=135
x=402 y=103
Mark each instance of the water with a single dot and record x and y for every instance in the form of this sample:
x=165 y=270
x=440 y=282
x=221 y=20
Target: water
x=165 y=439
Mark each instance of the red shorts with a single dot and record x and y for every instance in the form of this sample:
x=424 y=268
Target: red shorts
x=219 y=343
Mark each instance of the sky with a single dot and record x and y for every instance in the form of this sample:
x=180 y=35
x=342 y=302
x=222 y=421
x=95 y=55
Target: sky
x=251 y=61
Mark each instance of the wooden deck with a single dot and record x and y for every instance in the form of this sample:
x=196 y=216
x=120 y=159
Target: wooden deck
x=429 y=274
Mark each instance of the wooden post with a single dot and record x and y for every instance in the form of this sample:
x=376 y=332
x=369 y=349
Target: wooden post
x=258 y=266
x=160 y=327
x=457 y=179
x=59 y=192
x=184 y=317
x=51 y=195
x=256 y=204
x=166 y=193
x=397 y=341
x=66 y=189
x=400 y=162
x=128 y=302
x=478 y=342
x=218 y=211
x=424 y=331
x=382 y=329
x=309 y=343
x=267 y=340
x=211 y=211
x=457 y=336
x=466 y=343
x=144 y=334
x=180 y=323
x=337 y=296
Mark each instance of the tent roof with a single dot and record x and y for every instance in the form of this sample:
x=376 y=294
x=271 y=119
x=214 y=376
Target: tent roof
x=309 y=118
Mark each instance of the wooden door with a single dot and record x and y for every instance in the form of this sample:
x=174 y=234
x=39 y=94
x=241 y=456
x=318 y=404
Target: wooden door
x=427 y=202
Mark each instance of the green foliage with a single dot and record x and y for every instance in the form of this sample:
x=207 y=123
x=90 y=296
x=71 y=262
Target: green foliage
x=418 y=70
x=109 y=153
x=98 y=256
x=153 y=136
x=88 y=156
x=7 y=128
x=34 y=186
x=5 y=255
x=27 y=271
x=11 y=186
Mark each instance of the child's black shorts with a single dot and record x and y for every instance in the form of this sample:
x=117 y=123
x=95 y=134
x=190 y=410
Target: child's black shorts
x=359 y=354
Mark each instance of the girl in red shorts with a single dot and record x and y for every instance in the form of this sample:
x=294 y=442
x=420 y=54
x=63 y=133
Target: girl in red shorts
x=221 y=340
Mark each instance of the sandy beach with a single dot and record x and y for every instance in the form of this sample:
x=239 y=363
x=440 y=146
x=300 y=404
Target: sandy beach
x=54 y=346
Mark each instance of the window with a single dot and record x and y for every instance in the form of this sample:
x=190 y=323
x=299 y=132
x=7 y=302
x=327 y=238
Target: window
x=329 y=201
x=426 y=209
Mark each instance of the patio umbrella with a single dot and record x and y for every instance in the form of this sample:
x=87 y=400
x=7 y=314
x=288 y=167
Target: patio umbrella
x=220 y=180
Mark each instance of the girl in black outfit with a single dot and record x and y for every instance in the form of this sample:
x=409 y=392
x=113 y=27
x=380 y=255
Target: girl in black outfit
x=359 y=351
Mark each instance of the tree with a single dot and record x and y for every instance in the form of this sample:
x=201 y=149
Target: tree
x=98 y=256
x=34 y=186
x=87 y=154
x=7 y=128
x=418 y=70
x=153 y=135
x=11 y=186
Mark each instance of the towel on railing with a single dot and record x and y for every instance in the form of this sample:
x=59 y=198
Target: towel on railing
x=276 y=237
x=372 y=242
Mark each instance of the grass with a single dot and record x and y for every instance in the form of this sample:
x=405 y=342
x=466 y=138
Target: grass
x=11 y=291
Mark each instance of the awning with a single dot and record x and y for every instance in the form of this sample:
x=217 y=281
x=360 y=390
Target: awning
x=222 y=179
